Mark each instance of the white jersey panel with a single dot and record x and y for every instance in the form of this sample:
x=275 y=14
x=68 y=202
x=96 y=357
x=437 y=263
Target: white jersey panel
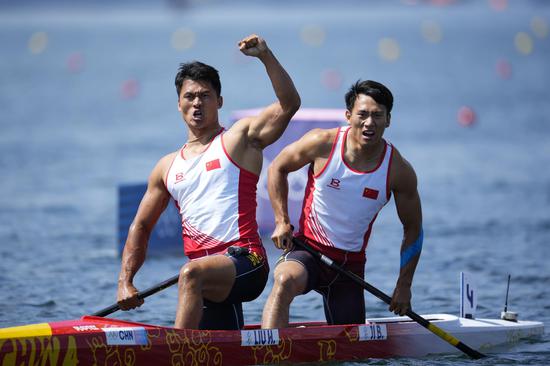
x=345 y=202
x=206 y=190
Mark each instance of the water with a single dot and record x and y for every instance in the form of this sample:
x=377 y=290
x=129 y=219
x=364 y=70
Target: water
x=68 y=138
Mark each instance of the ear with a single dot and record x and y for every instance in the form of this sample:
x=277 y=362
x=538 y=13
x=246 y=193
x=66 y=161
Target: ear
x=179 y=105
x=388 y=120
x=220 y=101
x=348 y=116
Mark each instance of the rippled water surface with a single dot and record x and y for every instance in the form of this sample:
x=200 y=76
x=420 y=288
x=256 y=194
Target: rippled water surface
x=69 y=136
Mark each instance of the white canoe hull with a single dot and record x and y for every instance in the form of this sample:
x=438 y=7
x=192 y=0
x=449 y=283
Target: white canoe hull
x=479 y=334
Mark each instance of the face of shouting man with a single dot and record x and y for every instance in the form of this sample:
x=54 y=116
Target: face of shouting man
x=199 y=103
x=368 y=120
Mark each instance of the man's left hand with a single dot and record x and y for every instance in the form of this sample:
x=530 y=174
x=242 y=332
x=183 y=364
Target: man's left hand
x=401 y=300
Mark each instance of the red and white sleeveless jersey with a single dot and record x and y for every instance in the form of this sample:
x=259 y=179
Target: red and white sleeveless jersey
x=341 y=204
x=216 y=199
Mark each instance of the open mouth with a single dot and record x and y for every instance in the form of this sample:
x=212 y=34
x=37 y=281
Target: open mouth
x=197 y=114
x=368 y=134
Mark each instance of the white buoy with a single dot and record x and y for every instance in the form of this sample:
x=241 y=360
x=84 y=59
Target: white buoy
x=509 y=315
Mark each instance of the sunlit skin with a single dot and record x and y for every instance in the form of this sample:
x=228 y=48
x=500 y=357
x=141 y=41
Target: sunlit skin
x=210 y=277
x=198 y=104
x=363 y=150
x=368 y=121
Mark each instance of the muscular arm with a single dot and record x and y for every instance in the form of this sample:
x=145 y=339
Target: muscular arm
x=265 y=128
x=152 y=205
x=407 y=201
x=314 y=147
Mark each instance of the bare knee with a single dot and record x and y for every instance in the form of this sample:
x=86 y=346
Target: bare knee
x=190 y=275
x=287 y=286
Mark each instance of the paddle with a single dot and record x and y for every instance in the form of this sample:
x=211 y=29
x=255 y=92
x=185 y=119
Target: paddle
x=382 y=296
x=141 y=295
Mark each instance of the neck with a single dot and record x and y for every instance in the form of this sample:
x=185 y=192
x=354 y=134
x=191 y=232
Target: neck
x=202 y=136
x=365 y=153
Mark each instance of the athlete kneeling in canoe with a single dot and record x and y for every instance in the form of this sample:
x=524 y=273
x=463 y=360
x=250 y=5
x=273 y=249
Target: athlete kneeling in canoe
x=352 y=173
x=213 y=180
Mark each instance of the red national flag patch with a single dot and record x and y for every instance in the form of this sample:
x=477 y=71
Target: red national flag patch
x=370 y=193
x=213 y=164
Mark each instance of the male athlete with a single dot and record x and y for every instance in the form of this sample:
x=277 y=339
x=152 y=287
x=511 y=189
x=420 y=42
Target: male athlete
x=213 y=180
x=352 y=173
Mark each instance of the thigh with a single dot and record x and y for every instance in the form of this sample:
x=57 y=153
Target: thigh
x=251 y=272
x=216 y=274
x=306 y=261
x=343 y=299
x=344 y=302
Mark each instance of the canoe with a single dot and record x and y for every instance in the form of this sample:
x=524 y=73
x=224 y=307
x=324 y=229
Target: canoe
x=105 y=341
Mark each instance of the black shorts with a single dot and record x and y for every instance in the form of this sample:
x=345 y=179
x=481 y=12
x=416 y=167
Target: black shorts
x=252 y=272
x=343 y=299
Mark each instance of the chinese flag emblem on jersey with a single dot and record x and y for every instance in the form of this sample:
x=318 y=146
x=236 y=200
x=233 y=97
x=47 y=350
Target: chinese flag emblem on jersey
x=370 y=193
x=213 y=164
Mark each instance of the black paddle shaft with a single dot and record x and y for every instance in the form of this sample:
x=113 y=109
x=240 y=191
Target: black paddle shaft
x=141 y=295
x=382 y=296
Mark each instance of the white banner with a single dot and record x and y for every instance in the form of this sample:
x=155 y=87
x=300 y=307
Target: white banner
x=260 y=337
x=125 y=336
x=468 y=296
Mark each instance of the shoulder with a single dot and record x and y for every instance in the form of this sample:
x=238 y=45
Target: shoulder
x=167 y=159
x=240 y=125
x=240 y=128
x=319 y=139
x=402 y=174
x=161 y=168
x=321 y=135
x=314 y=144
x=237 y=133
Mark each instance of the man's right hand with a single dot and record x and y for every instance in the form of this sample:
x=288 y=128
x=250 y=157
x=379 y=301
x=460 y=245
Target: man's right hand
x=127 y=296
x=282 y=236
x=253 y=45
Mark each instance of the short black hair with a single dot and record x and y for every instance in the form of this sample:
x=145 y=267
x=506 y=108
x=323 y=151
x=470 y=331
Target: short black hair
x=198 y=71
x=377 y=91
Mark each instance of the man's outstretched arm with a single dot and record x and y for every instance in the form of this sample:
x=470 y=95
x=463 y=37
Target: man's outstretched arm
x=269 y=125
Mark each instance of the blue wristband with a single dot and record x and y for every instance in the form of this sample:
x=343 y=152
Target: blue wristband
x=412 y=250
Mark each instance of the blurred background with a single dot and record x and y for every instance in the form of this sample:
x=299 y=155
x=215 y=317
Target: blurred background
x=87 y=102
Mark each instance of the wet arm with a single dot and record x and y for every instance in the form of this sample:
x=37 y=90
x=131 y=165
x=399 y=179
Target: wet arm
x=407 y=201
x=293 y=157
x=270 y=124
x=153 y=203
